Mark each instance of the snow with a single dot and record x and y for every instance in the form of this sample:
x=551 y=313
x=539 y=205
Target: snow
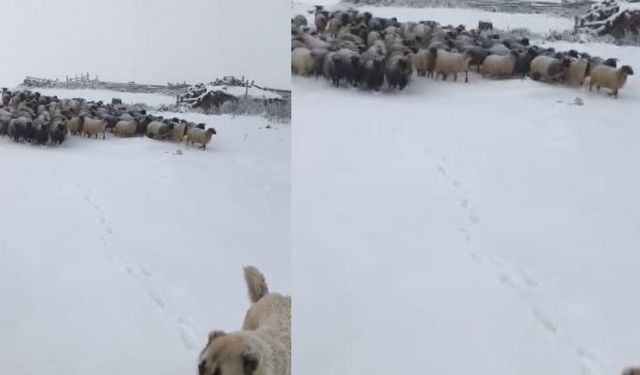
x=537 y=23
x=107 y=95
x=487 y=228
x=120 y=255
x=147 y=42
x=240 y=91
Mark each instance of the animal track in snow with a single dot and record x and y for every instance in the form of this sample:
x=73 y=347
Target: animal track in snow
x=188 y=333
x=156 y=299
x=546 y=322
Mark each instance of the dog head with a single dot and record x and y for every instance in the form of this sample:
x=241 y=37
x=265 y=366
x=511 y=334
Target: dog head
x=227 y=355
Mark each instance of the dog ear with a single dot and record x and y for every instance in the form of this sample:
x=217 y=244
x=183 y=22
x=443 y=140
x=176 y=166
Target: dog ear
x=215 y=335
x=249 y=363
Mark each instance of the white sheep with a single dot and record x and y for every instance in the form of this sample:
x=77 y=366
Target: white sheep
x=125 y=128
x=451 y=63
x=93 y=127
x=577 y=71
x=75 y=125
x=202 y=137
x=424 y=62
x=302 y=61
x=611 y=78
x=499 y=65
x=178 y=132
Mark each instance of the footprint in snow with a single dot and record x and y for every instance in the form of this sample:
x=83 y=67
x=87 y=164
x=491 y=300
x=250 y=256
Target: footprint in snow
x=188 y=334
x=157 y=300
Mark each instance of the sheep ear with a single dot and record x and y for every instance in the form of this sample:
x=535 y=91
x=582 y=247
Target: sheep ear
x=215 y=334
x=249 y=363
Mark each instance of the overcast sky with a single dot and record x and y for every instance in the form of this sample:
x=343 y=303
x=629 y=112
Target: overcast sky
x=147 y=41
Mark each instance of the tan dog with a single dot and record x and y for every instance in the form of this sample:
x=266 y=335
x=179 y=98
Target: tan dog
x=263 y=346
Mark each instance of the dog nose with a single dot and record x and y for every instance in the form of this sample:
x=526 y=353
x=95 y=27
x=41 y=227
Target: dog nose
x=201 y=368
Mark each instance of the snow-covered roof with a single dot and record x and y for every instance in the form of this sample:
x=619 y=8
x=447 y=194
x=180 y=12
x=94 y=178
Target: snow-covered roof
x=240 y=91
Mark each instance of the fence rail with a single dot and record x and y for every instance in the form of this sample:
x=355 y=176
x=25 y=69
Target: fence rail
x=85 y=81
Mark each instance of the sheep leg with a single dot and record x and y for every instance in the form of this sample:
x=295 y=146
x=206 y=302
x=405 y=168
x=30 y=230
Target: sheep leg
x=455 y=77
x=466 y=76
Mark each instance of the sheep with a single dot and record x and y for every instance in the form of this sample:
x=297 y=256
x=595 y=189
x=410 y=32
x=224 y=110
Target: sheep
x=331 y=68
x=524 y=62
x=374 y=72
x=611 y=78
x=318 y=55
x=478 y=55
x=577 y=71
x=451 y=63
x=58 y=133
x=196 y=135
x=500 y=66
x=424 y=62
x=125 y=128
x=548 y=68
x=302 y=61
x=320 y=22
x=398 y=70
x=17 y=128
x=349 y=63
x=76 y=124
x=499 y=49
x=299 y=20
x=178 y=132
x=313 y=42
x=93 y=126
x=41 y=134
x=372 y=37
x=159 y=130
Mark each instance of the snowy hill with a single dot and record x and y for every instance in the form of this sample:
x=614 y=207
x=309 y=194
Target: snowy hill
x=119 y=256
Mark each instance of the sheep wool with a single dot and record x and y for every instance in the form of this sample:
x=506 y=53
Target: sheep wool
x=302 y=62
x=609 y=77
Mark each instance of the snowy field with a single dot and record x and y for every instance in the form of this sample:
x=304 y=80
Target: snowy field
x=537 y=23
x=154 y=100
x=488 y=228
x=120 y=255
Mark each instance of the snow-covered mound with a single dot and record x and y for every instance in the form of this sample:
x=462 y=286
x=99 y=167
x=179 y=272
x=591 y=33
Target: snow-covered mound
x=612 y=17
x=119 y=256
x=485 y=228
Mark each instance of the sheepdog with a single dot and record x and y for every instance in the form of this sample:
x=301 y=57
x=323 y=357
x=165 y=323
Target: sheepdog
x=262 y=346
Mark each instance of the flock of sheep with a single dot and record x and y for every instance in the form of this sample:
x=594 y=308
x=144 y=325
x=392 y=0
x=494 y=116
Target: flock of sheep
x=40 y=119
x=363 y=50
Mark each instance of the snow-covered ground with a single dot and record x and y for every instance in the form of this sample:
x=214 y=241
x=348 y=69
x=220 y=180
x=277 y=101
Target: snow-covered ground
x=107 y=95
x=537 y=23
x=489 y=228
x=119 y=255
